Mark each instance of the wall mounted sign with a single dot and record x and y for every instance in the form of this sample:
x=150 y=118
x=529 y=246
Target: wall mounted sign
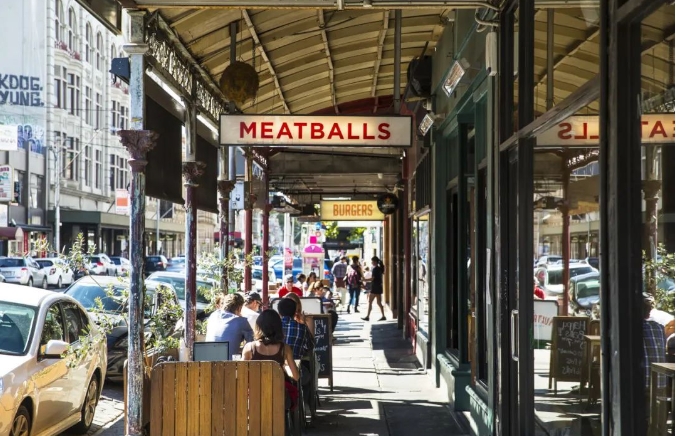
x=388 y=204
x=584 y=130
x=300 y=130
x=6 y=184
x=351 y=211
x=122 y=206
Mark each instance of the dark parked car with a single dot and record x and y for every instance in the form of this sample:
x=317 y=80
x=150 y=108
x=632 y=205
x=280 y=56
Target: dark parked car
x=583 y=293
x=176 y=264
x=156 y=263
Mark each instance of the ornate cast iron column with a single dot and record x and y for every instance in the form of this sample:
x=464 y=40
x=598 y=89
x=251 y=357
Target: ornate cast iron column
x=266 y=247
x=224 y=189
x=137 y=143
x=191 y=172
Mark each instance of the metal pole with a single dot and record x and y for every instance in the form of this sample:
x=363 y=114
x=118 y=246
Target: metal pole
x=266 y=239
x=565 y=240
x=248 y=220
x=57 y=200
x=550 y=59
x=231 y=150
x=138 y=142
x=224 y=188
x=157 y=229
x=397 y=61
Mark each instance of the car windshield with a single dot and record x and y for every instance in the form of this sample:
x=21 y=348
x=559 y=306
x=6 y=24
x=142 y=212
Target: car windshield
x=178 y=260
x=179 y=285
x=10 y=262
x=116 y=260
x=556 y=275
x=94 y=259
x=579 y=271
x=588 y=288
x=45 y=263
x=16 y=325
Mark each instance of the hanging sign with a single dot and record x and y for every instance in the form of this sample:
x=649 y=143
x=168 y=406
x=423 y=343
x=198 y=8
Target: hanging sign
x=299 y=130
x=351 y=211
x=122 y=202
x=388 y=204
x=6 y=183
x=584 y=130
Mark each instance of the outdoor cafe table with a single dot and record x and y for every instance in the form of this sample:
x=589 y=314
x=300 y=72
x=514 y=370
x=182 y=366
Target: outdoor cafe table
x=591 y=341
x=667 y=369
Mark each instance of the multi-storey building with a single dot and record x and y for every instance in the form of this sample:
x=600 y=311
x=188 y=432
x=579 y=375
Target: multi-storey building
x=65 y=118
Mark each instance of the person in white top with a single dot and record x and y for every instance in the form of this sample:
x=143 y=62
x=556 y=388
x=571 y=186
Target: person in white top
x=252 y=306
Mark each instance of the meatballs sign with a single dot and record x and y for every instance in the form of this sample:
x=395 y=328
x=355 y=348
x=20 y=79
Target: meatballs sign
x=307 y=130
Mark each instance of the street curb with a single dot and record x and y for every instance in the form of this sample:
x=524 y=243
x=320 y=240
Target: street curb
x=108 y=425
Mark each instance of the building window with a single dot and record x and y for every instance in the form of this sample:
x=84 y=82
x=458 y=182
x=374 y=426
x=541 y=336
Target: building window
x=58 y=20
x=37 y=191
x=73 y=102
x=72 y=30
x=124 y=113
x=118 y=173
x=113 y=117
x=88 y=105
x=18 y=186
x=99 y=48
x=97 y=169
x=97 y=112
x=60 y=87
x=88 y=166
x=89 y=46
x=71 y=163
x=112 y=53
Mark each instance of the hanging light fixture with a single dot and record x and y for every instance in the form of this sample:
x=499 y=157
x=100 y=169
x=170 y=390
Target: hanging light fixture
x=454 y=76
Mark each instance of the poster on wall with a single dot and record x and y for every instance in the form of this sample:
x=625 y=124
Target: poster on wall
x=23 y=76
x=122 y=202
x=6 y=184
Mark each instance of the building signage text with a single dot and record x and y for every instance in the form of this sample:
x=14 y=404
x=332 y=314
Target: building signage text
x=584 y=130
x=289 y=130
x=351 y=211
x=20 y=90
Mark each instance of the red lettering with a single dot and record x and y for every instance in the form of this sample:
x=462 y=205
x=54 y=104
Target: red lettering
x=266 y=130
x=584 y=135
x=658 y=129
x=384 y=129
x=300 y=129
x=349 y=132
x=366 y=134
x=316 y=130
x=335 y=131
x=284 y=130
x=566 y=128
x=250 y=129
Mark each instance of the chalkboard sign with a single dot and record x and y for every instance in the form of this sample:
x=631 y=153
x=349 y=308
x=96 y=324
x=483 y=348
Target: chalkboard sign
x=567 y=358
x=320 y=327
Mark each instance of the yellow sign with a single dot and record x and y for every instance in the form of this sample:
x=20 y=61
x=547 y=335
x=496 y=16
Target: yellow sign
x=351 y=211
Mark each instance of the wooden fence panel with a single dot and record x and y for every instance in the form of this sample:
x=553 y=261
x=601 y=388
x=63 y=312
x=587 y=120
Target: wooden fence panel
x=181 y=416
x=230 y=398
x=255 y=399
x=266 y=400
x=217 y=400
x=206 y=388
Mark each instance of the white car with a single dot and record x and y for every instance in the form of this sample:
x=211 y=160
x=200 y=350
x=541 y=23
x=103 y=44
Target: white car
x=41 y=392
x=550 y=277
x=101 y=265
x=122 y=266
x=23 y=271
x=257 y=277
x=57 y=271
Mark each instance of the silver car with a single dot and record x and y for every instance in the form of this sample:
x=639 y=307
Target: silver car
x=41 y=392
x=205 y=287
x=23 y=271
x=101 y=265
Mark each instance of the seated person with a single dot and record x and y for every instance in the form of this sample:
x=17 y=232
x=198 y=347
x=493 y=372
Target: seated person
x=654 y=344
x=328 y=306
x=226 y=324
x=289 y=287
x=296 y=334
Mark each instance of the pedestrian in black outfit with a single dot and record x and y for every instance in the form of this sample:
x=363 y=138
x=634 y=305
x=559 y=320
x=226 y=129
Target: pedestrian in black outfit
x=376 y=287
x=355 y=277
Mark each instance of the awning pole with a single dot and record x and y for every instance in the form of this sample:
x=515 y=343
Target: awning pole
x=231 y=150
x=397 y=61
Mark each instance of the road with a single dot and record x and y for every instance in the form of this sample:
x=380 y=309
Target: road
x=109 y=412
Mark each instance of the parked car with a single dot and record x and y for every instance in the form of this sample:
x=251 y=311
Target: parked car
x=177 y=281
x=57 y=271
x=584 y=293
x=156 y=263
x=101 y=265
x=23 y=271
x=176 y=264
x=122 y=265
x=593 y=261
x=40 y=393
x=257 y=260
x=257 y=277
x=550 y=277
x=88 y=289
x=547 y=260
x=278 y=267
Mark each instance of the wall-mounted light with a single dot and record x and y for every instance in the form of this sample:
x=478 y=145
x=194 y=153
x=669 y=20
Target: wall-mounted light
x=368 y=4
x=428 y=121
x=454 y=76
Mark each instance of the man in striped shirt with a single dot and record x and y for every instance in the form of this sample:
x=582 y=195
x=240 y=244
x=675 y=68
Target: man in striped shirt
x=339 y=272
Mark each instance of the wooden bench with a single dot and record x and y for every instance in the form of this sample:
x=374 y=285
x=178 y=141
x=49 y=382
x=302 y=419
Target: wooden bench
x=243 y=398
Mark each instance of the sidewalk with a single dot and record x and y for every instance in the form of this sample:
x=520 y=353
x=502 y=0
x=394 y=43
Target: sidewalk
x=378 y=388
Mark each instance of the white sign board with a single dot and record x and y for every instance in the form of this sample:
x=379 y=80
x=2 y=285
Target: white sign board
x=303 y=130
x=122 y=206
x=543 y=313
x=6 y=184
x=584 y=130
x=8 y=138
x=237 y=196
x=4 y=215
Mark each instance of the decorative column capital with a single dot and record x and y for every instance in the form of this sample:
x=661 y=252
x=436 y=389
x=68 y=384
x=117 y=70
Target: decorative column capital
x=138 y=143
x=225 y=187
x=651 y=188
x=192 y=171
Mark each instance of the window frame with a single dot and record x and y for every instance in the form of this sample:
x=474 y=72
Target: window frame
x=72 y=30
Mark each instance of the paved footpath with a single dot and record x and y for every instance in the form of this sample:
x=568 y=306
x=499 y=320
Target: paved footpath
x=378 y=388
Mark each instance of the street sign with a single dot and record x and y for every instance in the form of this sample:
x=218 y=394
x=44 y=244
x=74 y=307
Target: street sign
x=351 y=211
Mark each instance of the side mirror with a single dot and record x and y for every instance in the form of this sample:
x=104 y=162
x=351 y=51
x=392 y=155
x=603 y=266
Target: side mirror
x=55 y=349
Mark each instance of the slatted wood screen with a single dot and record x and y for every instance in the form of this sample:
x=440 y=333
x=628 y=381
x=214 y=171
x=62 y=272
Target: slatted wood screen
x=217 y=399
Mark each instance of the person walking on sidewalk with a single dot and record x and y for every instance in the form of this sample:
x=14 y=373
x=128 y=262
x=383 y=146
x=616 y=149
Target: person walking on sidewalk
x=339 y=272
x=354 y=283
x=376 y=287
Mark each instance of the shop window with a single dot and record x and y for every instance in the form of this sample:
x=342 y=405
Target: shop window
x=452 y=312
x=481 y=278
x=422 y=272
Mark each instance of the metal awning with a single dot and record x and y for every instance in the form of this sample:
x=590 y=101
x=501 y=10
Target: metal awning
x=11 y=234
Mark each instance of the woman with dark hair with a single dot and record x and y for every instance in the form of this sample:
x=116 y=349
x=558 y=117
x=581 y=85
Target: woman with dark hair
x=355 y=277
x=311 y=279
x=268 y=343
x=376 y=287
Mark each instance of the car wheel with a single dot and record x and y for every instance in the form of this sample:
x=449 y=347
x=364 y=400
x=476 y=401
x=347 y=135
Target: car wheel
x=88 y=408
x=21 y=426
x=59 y=283
x=45 y=285
x=30 y=282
